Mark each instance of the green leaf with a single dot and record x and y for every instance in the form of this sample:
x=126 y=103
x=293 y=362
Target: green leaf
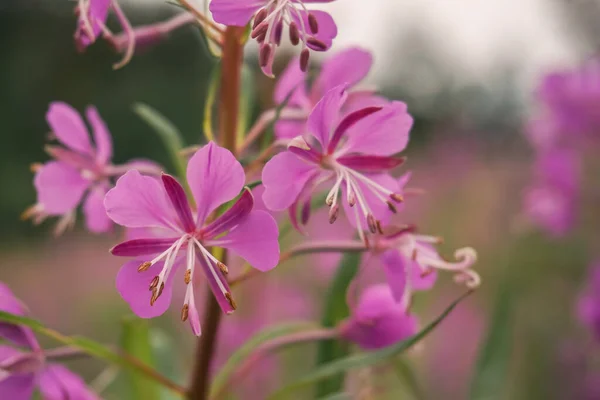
x=247 y=100
x=209 y=106
x=337 y=396
x=492 y=367
x=362 y=360
x=405 y=372
x=220 y=382
x=335 y=310
x=135 y=340
x=94 y=349
x=168 y=133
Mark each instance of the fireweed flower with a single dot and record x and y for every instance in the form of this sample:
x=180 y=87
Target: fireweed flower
x=354 y=152
x=588 y=306
x=22 y=370
x=314 y=29
x=215 y=177
x=81 y=172
x=349 y=67
x=378 y=321
x=551 y=200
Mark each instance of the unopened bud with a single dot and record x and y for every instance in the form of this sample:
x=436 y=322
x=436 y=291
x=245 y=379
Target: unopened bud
x=313 y=24
x=304 y=59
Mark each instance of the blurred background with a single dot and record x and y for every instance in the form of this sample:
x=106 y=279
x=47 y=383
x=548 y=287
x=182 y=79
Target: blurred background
x=467 y=70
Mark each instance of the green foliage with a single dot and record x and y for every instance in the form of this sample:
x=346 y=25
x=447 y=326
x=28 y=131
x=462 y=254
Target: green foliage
x=136 y=341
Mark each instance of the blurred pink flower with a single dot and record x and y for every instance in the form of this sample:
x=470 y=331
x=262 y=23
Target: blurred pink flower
x=81 y=172
x=91 y=21
x=22 y=371
x=355 y=152
x=588 y=306
x=215 y=177
x=378 y=320
x=315 y=29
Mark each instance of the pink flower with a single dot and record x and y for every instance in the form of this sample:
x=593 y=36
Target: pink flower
x=588 y=306
x=354 y=152
x=346 y=67
x=22 y=371
x=91 y=22
x=81 y=172
x=215 y=177
x=551 y=200
x=378 y=321
x=315 y=29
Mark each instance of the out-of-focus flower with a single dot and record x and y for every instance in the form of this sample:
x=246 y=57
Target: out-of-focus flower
x=21 y=371
x=378 y=320
x=551 y=200
x=355 y=152
x=215 y=177
x=81 y=172
x=315 y=29
x=91 y=21
x=588 y=307
x=348 y=67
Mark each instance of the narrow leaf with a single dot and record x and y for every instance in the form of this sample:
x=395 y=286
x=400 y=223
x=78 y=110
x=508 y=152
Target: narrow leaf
x=94 y=349
x=362 y=360
x=222 y=378
x=209 y=106
x=168 y=133
x=135 y=340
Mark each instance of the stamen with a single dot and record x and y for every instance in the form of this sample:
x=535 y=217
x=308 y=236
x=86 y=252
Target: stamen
x=223 y=268
x=313 y=24
x=187 y=278
x=264 y=54
x=392 y=207
x=294 y=33
x=397 y=197
x=184 y=312
x=35 y=167
x=304 y=56
x=379 y=228
x=371 y=223
x=260 y=17
x=320 y=46
x=256 y=32
x=154 y=283
x=229 y=298
x=278 y=32
x=333 y=213
x=144 y=266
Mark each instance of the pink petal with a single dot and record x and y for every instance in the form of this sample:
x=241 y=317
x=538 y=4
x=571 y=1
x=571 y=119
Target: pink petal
x=326 y=114
x=139 y=201
x=335 y=71
x=134 y=286
x=293 y=79
x=60 y=187
x=142 y=247
x=370 y=164
x=179 y=202
x=58 y=383
x=289 y=128
x=395 y=267
x=101 y=134
x=255 y=240
x=232 y=217
x=96 y=219
x=218 y=284
x=234 y=12
x=383 y=133
x=193 y=316
x=18 y=387
x=215 y=177
x=69 y=128
x=327 y=27
x=284 y=177
x=379 y=208
x=348 y=122
x=98 y=12
x=19 y=335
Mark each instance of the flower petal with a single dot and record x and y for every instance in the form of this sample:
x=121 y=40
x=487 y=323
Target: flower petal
x=98 y=12
x=348 y=122
x=370 y=163
x=327 y=27
x=133 y=286
x=284 y=176
x=289 y=128
x=326 y=114
x=57 y=383
x=18 y=387
x=255 y=240
x=139 y=201
x=102 y=137
x=179 y=201
x=142 y=247
x=59 y=187
x=215 y=177
x=232 y=217
x=19 y=335
x=193 y=316
x=69 y=128
x=383 y=133
x=218 y=284
x=293 y=79
x=395 y=267
x=337 y=71
x=96 y=219
x=234 y=12
x=378 y=207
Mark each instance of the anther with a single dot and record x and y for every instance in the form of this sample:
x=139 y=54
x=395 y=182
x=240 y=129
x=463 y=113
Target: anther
x=304 y=56
x=264 y=54
x=305 y=213
x=259 y=30
x=294 y=33
x=414 y=255
x=187 y=278
x=35 y=167
x=185 y=312
x=397 y=197
x=261 y=37
x=379 y=228
x=313 y=24
x=391 y=207
x=351 y=199
x=229 y=298
x=366 y=240
x=372 y=223
x=260 y=17
x=154 y=283
x=278 y=33
x=223 y=268
x=316 y=44
x=426 y=272
x=154 y=297
x=333 y=213
x=144 y=266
